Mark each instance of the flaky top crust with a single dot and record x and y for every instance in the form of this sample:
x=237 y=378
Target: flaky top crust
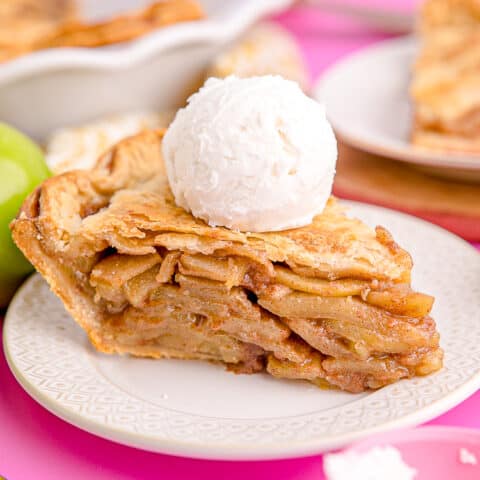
x=125 y=203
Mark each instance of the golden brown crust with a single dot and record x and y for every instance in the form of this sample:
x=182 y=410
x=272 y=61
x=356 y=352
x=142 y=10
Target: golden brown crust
x=38 y=25
x=23 y=23
x=437 y=14
x=125 y=27
x=143 y=276
x=142 y=216
x=446 y=77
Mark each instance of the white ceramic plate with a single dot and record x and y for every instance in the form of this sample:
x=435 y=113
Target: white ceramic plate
x=53 y=88
x=367 y=101
x=196 y=409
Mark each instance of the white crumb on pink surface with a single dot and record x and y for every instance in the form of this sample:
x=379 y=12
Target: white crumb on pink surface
x=378 y=463
x=467 y=457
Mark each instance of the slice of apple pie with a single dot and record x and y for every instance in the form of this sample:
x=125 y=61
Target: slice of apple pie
x=330 y=302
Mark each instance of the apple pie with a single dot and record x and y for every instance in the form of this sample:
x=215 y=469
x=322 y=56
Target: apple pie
x=446 y=77
x=330 y=302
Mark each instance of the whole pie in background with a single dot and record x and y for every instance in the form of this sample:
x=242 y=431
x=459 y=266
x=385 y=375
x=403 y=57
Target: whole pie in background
x=330 y=302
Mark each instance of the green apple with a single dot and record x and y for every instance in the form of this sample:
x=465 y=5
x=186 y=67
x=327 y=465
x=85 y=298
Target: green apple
x=22 y=168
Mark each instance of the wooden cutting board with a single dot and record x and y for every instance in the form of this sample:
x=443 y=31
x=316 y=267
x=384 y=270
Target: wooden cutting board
x=370 y=179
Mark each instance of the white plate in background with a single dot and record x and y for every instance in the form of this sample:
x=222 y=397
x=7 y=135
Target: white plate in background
x=368 y=104
x=196 y=409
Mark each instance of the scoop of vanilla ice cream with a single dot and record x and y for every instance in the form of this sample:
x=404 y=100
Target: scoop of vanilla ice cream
x=253 y=154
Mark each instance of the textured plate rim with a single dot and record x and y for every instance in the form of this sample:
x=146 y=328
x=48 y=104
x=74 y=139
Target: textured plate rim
x=143 y=48
x=407 y=153
x=220 y=451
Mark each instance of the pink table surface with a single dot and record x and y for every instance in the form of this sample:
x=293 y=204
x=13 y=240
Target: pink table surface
x=34 y=444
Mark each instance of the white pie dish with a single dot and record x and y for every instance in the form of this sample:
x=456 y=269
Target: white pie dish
x=48 y=89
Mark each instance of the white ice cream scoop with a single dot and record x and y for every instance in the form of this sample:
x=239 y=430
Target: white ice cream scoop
x=253 y=154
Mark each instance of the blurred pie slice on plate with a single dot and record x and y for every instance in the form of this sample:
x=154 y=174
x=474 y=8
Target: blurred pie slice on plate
x=446 y=78
x=330 y=303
